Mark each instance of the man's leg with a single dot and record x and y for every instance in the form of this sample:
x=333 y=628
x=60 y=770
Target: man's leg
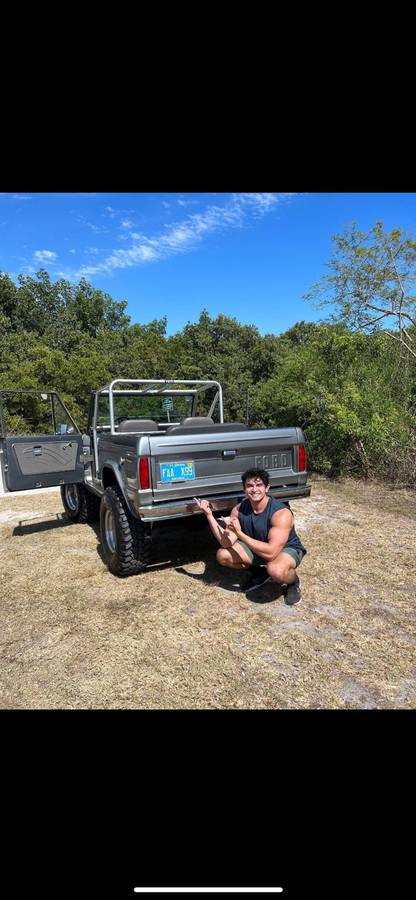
x=283 y=568
x=233 y=557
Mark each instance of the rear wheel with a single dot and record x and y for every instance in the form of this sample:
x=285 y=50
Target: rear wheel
x=79 y=503
x=126 y=542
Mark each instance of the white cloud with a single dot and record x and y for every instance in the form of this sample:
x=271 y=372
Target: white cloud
x=45 y=255
x=182 y=237
x=72 y=251
x=97 y=229
x=69 y=276
x=123 y=214
x=182 y=202
x=262 y=203
x=21 y=197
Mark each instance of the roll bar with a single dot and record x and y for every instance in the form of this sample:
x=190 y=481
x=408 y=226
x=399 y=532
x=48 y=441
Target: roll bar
x=156 y=386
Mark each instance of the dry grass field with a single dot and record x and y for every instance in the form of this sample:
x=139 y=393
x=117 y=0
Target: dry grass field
x=182 y=636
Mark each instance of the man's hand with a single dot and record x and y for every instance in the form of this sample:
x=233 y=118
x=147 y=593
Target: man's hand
x=204 y=505
x=235 y=527
x=228 y=538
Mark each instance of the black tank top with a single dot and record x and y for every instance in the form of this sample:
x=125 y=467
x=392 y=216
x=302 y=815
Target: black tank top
x=258 y=525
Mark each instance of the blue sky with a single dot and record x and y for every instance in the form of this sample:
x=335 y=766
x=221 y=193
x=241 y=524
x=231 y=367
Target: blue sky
x=248 y=255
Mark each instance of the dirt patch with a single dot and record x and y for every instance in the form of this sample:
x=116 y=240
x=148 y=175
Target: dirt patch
x=182 y=635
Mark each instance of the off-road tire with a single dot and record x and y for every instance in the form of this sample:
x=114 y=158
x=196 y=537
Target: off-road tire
x=126 y=542
x=79 y=503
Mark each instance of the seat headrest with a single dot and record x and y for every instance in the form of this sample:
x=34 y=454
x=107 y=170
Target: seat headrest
x=206 y=429
x=137 y=425
x=197 y=420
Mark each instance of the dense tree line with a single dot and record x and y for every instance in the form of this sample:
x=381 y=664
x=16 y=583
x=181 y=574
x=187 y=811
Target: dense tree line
x=353 y=393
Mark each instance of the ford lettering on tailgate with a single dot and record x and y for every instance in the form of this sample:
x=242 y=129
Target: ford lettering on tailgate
x=177 y=471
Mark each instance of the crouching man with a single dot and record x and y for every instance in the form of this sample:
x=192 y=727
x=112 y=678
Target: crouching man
x=260 y=536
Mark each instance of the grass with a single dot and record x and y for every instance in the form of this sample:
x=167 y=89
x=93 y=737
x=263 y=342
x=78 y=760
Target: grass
x=180 y=636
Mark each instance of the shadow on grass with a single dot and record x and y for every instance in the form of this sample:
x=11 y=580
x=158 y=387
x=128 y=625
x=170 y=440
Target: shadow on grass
x=59 y=520
x=174 y=544
x=201 y=546
x=233 y=581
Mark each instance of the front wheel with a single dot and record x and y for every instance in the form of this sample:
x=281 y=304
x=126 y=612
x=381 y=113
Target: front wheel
x=80 y=504
x=125 y=540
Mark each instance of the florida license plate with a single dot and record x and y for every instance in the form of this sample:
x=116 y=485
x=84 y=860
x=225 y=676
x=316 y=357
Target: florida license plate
x=177 y=471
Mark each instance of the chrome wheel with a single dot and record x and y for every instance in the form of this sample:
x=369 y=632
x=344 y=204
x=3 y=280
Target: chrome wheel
x=71 y=497
x=110 y=532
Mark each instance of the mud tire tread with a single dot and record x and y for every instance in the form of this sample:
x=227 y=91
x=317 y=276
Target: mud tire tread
x=88 y=508
x=133 y=538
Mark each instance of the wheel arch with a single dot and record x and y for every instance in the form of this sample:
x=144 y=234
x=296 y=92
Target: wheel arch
x=111 y=477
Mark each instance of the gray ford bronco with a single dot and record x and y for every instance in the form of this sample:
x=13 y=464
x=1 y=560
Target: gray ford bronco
x=145 y=456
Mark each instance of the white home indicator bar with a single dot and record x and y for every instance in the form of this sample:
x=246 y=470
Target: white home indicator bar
x=208 y=890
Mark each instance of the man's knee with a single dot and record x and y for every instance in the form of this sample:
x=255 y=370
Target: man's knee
x=279 y=571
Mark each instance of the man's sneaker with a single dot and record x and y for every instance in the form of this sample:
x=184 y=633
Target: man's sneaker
x=292 y=593
x=257 y=578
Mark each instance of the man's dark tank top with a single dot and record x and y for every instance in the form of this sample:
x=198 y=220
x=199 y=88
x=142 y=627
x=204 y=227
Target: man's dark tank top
x=258 y=525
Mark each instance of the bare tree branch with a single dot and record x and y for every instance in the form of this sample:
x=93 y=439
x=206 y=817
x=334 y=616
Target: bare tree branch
x=409 y=336
x=401 y=341
x=373 y=321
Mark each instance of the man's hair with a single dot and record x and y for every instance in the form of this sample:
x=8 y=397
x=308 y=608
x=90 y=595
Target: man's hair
x=255 y=473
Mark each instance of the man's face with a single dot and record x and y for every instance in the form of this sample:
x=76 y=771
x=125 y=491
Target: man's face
x=255 y=489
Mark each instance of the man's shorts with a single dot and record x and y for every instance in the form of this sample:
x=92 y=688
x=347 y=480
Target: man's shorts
x=255 y=560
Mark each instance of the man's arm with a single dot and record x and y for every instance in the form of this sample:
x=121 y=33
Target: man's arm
x=281 y=523
x=229 y=538
x=224 y=537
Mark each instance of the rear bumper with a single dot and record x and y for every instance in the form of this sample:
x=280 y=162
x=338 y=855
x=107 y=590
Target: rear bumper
x=178 y=509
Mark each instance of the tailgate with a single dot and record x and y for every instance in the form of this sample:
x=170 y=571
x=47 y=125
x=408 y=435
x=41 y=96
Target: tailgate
x=184 y=466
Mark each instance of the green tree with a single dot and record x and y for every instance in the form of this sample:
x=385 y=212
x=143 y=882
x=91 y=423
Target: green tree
x=8 y=302
x=372 y=282
x=354 y=396
x=224 y=350
x=352 y=400
x=59 y=311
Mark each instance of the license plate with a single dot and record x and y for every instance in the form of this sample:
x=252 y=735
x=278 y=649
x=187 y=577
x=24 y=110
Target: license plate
x=177 y=471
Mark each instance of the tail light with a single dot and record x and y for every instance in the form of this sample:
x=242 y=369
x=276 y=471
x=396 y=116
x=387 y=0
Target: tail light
x=144 y=477
x=302 y=458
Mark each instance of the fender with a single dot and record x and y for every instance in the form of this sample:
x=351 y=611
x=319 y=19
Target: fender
x=117 y=477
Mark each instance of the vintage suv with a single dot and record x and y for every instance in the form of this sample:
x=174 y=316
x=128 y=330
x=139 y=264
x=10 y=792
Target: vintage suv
x=144 y=458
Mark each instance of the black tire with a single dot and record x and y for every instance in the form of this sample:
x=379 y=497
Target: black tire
x=126 y=542
x=79 y=503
